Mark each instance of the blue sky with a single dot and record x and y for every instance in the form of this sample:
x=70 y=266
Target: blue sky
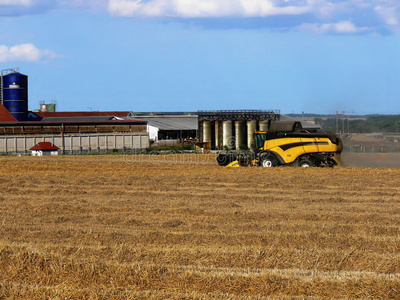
x=316 y=56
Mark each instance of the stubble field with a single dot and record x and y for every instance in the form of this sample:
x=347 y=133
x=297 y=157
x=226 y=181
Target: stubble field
x=114 y=227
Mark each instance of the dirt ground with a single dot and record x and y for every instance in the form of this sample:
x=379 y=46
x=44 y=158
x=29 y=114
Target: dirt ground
x=181 y=227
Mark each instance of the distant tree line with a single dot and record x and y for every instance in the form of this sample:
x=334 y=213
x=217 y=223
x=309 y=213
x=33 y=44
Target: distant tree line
x=374 y=123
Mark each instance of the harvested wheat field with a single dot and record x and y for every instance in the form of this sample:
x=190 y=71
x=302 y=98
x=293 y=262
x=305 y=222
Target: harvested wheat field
x=181 y=227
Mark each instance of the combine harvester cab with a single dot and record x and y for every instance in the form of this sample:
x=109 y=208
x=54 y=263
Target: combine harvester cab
x=288 y=144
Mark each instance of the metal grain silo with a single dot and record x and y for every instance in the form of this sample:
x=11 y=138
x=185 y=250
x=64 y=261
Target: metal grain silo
x=51 y=107
x=15 y=94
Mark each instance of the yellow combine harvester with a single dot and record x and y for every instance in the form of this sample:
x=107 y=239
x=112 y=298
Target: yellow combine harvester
x=287 y=144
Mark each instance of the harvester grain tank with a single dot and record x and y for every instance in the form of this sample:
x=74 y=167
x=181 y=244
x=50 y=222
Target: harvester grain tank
x=286 y=143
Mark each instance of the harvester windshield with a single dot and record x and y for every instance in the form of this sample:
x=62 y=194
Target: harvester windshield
x=259 y=138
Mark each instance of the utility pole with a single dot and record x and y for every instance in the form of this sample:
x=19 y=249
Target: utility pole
x=340 y=114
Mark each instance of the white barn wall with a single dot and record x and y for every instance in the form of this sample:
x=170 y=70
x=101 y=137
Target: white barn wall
x=153 y=132
x=76 y=143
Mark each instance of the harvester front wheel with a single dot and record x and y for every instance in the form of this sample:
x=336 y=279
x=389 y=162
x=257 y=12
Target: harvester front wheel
x=268 y=160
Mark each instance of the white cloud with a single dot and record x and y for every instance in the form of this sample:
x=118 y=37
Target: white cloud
x=25 y=7
x=390 y=15
x=361 y=3
x=24 y=52
x=345 y=27
x=93 y=4
x=319 y=16
x=201 y=8
x=327 y=8
x=17 y=2
x=342 y=27
x=123 y=8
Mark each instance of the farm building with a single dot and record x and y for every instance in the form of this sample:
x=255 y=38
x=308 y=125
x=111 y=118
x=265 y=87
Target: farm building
x=234 y=128
x=169 y=125
x=73 y=132
x=231 y=128
x=74 y=135
x=44 y=149
x=102 y=131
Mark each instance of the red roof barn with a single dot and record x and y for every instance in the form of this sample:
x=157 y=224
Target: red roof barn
x=44 y=148
x=5 y=115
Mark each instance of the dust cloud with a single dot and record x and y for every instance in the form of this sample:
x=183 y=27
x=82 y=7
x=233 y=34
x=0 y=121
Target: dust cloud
x=369 y=160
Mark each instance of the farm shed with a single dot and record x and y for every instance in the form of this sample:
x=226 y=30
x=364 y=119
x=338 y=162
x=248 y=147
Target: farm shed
x=44 y=148
x=74 y=134
x=170 y=126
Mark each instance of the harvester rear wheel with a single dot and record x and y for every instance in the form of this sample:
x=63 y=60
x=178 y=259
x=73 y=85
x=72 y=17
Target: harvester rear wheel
x=268 y=160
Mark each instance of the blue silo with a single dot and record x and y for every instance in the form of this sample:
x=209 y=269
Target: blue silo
x=15 y=94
